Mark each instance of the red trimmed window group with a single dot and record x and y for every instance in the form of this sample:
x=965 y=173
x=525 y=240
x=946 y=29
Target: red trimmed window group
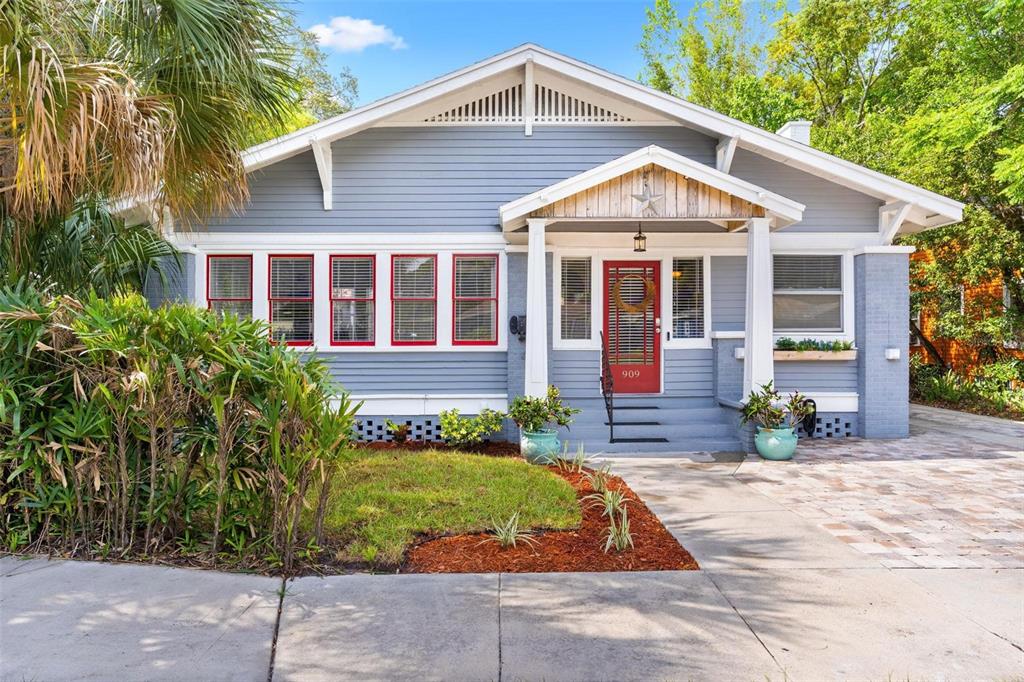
x=353 y=297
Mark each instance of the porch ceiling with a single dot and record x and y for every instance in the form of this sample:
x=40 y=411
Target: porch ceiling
x=678 y=190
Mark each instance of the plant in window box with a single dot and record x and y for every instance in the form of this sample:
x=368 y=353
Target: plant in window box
x=776 y=421
x=534 y=416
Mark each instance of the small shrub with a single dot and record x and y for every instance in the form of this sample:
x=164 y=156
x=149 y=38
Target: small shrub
x=507 y=534
x=598 y=478
x=765 y=407
x=470 y=431
x=535 y=414
x=399 y=432
x=610 y=501
x=617 y=536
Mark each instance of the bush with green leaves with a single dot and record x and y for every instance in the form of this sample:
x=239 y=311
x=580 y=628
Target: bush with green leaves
x=994 y=389
x=833 y=346
x=766 y=408
x=128 y=432
x=534 y=414
x=470 y=431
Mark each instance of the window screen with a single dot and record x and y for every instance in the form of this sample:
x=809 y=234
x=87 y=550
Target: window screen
x=352 y=300
x=687 y=298
x=291 y=300
x=229 y=285
x=575 y=299
x=475 y=302
x=414 y=299
x=808 y=293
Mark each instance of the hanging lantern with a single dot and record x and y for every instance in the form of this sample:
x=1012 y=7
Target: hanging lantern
x=639 y=240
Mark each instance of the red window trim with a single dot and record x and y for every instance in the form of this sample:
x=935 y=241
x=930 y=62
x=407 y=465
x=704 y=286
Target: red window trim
x=456 y=298
x=394 y=256
x=210 y=257
x=270 y=299
x=330 y=295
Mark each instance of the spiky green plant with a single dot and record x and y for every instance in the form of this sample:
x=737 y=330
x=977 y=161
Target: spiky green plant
x=508 y=533
x=618 y=536
x=598 y=478
x=609 y=501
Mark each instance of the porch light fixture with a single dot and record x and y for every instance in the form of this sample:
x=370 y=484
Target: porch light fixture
x=639 y=239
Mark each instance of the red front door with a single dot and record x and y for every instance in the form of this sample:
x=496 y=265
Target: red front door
x=632 y=324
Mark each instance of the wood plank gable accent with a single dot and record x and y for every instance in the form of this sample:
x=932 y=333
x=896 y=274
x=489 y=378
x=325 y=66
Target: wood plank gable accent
x=682 y=199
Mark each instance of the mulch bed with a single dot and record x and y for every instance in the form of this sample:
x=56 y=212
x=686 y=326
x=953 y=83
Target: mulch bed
x=493 y=449
x=654 y=548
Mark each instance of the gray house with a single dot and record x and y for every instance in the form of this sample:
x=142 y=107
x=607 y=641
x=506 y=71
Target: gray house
x=509 y=225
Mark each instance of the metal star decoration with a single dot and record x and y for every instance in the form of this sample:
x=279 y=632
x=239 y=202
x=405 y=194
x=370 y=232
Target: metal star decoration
x=647 y=200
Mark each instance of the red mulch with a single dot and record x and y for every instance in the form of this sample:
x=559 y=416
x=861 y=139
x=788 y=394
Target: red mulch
x=495 y=449
x=654 y=548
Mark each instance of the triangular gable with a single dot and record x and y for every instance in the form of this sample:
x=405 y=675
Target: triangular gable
x=685 y=190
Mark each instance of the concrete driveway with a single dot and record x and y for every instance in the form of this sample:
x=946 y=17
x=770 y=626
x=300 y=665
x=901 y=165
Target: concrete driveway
x=782 y=596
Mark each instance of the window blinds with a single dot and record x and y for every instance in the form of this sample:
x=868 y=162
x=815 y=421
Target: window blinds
x=808 y=293
x=352 y=300
x=476 y=299
x=414 y=299
x=575 y=294
x=229 y=285
x=291 y=299
x=688 y=298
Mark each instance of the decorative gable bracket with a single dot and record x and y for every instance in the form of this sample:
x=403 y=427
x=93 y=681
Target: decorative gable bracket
x=324 y=163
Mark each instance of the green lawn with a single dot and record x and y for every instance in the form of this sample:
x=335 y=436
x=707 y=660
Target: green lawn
x=383 y=499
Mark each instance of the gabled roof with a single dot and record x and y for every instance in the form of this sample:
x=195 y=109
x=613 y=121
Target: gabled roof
x=922 y=207
x=781 y=210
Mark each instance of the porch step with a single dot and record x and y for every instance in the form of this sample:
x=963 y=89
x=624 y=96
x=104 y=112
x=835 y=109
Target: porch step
x=596 y=448
x=638 y=440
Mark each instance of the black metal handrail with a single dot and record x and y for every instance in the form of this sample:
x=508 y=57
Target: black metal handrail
x=608 y=388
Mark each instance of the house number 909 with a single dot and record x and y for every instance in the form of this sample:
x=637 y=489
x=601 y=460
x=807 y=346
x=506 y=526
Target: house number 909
x=630 y=374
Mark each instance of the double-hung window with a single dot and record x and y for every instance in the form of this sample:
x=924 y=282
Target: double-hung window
x=229 y=285
x=291 y=300
x=808 y=293
x=475 y=300
x=687 y=298
x=414 y=300
x=352 y=300
x=575 y=299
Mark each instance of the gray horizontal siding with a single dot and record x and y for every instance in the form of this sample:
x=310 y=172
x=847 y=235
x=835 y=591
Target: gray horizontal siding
x=179 y=286
x=419 y=373
x=575 y=372
x=438 y=178
x=833 y=377
x=830 y=207
x=689 y=373
x=728 y=293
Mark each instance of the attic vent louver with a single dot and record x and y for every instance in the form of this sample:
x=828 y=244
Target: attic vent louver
x=506 y=106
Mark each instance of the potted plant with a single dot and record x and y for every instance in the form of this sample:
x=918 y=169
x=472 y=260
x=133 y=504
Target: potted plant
x=534 y=417
x=776 y=435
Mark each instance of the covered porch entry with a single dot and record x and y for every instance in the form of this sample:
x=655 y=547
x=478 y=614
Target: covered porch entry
x=620 y=257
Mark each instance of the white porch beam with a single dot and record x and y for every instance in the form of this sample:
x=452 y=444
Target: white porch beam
x=322 y=154
x=758 y=363
x=890 y=219
x=529 y=97
x=724 y=152
x=536 y=369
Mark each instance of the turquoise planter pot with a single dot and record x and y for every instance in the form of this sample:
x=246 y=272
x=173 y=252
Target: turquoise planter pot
x=775 y=444
x=539 y=447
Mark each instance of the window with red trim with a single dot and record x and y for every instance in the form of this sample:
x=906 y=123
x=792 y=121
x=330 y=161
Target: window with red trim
x=291 y=300
x=475 y=300
x=229 y=285
x=352 y=300
x=414 y=300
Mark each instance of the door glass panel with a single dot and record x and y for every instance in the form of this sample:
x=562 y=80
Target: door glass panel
x=631 y=315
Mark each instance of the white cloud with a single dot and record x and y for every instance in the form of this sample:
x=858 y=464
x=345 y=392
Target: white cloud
x=348 y=34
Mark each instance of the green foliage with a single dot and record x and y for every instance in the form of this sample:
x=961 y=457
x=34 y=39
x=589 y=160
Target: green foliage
x=128 y=431
x=399 y=432
x=469 y=431
x=996 y=389
x=618 y=536
x=765 y=408
x=509 y=533
x=609 y=501
x=598 y=478
x=834 y=346
x=534 y=414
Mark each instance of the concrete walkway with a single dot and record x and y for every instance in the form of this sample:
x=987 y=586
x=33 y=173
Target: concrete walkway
x=779 y=598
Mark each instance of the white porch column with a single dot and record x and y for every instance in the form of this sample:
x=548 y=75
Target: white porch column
x=758 y=363
x=536 y=369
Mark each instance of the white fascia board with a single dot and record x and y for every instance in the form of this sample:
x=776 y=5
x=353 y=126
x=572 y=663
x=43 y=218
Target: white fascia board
x=513 y=213
x=427 y=404
x=750 y=137
x=294 y=242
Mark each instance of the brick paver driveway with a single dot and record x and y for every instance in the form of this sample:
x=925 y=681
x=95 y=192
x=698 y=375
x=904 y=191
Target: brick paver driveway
x=950 y=496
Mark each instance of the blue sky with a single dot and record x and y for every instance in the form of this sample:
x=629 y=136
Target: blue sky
x=391 y=45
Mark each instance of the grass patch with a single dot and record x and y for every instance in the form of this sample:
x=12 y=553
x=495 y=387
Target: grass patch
x=384 y=499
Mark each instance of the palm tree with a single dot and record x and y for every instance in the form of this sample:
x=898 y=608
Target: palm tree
x=133 y=98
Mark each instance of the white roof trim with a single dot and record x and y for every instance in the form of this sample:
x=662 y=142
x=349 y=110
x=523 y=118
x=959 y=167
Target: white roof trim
x=787 y=211
x=930 y=209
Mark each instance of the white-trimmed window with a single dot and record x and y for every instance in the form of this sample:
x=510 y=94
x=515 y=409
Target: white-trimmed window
x=575 y=301
x=808 y=293
x=414 y=300
x=229 y=284
x=352 y=300
x=687 y=298
x=291 y=299
x=475 y=300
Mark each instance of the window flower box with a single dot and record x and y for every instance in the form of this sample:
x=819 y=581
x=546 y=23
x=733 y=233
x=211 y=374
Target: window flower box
x=814 y=355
